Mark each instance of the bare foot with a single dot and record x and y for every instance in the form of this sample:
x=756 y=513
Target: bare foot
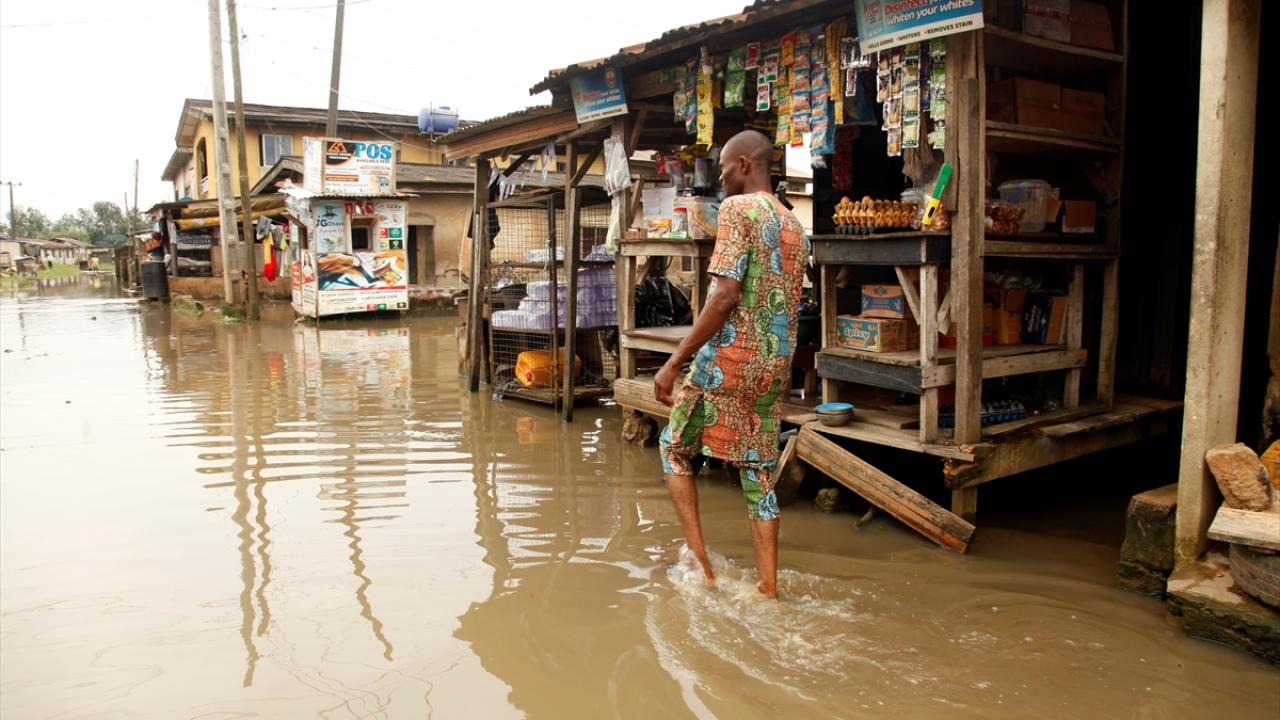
x=769 y=590
x=706 y=569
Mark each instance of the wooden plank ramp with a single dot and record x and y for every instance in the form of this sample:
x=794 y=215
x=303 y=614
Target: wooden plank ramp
x=910 y=507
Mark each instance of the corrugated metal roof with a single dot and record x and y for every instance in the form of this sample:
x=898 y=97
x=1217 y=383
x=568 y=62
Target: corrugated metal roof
x=512 y=118
x=683 y=37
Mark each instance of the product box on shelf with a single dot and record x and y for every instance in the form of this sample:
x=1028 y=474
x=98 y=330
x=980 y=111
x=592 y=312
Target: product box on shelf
x=1080 y=217
x=1023 y=101
x=1006 y=325
x=1049 y=19
x=877 y=334
x=1084 y=112
x=1091 y=25
x=884 y=301
x=1044 y=320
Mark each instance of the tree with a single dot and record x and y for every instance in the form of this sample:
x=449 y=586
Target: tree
x=31 y=224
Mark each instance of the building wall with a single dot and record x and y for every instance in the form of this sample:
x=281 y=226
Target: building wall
x=449 y=215
x=413 y=149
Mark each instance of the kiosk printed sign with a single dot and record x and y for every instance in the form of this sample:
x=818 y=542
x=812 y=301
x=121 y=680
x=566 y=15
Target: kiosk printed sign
x=884 y=24
x=348 y=167
x=598 y=94
x=331 y=228
x=389 y=224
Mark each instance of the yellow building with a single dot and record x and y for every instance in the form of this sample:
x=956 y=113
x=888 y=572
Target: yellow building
x=272 y=132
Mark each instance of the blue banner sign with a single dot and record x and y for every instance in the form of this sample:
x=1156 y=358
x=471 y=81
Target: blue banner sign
x=884 y=24
x=598 y=94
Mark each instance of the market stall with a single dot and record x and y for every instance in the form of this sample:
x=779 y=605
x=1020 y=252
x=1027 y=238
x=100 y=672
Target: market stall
x=967 y=176
x=349 y=227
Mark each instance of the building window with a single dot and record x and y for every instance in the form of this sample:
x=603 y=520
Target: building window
x=273 y=147
x=202 y=160
x=360 y=238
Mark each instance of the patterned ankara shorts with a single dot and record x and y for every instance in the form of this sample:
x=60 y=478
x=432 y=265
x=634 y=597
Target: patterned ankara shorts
x=680 y=453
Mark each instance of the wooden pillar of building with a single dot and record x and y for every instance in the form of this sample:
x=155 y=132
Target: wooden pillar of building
x=1224 y=178
x=479 y=257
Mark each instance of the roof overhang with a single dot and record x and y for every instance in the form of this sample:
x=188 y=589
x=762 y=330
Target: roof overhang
x=177 y=161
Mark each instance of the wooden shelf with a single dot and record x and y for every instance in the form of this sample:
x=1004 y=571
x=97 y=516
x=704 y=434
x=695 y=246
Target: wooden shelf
x=901 y=371
x=667 y=248
x=1029 y=54
x=899 y=248
x=1027 y=140
x=658 y=339
x=637 y=394
x=1052 y=247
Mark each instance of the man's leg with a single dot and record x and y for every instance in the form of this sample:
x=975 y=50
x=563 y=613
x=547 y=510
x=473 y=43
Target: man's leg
x=762 y=508
x=764 y=540
x=684 y=494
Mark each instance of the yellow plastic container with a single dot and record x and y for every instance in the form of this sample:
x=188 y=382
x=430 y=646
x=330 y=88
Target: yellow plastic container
x=533 y=367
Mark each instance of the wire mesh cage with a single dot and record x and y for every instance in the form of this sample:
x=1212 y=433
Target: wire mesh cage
x=534 y=298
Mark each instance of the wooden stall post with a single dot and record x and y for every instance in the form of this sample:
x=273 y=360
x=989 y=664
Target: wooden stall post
x=626 y=267
x=555 y=297
x=929 y=350
x=571 y=251
x=1075 y=333
x=827 y=280
x=479 y=252
x=1224 y=175
x=967 y=110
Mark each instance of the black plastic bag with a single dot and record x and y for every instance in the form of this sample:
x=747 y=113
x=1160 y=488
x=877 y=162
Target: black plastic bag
x=659 y=304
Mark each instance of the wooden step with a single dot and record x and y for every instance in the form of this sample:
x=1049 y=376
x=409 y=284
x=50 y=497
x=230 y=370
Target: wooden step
x=910 y=507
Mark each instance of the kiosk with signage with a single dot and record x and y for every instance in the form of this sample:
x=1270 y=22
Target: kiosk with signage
x=351 y=228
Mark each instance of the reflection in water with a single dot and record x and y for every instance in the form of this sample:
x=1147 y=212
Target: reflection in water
x=292 y=520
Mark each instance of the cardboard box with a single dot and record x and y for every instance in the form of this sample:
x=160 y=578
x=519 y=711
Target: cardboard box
x=1044 y=320
x=1081 y=216
x=884 y=301
x=948 y=339
x=1023 y=101
x=877 y=334
x=1084 y=112
x=1008 y=327
x=1091 y=26
x=1052 y=206
x=1049 y=19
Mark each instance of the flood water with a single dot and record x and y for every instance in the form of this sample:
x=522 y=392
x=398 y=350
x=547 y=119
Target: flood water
x=279 y=520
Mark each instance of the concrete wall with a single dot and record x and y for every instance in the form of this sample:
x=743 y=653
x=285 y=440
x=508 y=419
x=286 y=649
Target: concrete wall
x=210 y=288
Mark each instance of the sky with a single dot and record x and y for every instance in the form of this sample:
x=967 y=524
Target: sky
x=87 y=87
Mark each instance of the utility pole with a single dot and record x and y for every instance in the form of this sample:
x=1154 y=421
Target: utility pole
x=221 y=154
x=128 y=219
x=13 y=211
x=135 y=192
x=250 y=259
x=331 y=120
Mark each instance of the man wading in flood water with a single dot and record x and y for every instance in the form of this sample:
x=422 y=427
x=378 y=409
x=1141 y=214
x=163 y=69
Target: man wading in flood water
x=743 y=339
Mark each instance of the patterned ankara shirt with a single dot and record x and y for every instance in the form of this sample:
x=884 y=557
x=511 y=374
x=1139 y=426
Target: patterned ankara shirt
x=736 y=377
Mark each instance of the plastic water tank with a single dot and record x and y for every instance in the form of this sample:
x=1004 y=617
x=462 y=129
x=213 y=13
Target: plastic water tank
x=441 y=119
x=155 y=281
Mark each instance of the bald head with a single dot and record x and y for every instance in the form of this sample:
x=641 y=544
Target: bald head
x=745 y=162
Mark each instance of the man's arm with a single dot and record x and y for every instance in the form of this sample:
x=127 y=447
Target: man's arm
x=716 y=311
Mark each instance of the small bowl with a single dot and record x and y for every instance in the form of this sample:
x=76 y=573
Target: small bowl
x=834 y=419
x=834 y=408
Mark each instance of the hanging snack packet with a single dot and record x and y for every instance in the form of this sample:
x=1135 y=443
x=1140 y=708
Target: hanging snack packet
x=911 y=103
x=895 y=142
x=851 y=82
x=735 y=78
x=848 y=52
x=753 y=56
x=911 y=133
x=706 y=114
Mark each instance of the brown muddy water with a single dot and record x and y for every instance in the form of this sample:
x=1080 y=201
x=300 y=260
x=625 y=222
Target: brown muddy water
x=277 y=520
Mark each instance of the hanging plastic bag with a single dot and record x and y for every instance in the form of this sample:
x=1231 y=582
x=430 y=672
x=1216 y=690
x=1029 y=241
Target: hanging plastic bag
x=617 y=172
x=660 y=304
